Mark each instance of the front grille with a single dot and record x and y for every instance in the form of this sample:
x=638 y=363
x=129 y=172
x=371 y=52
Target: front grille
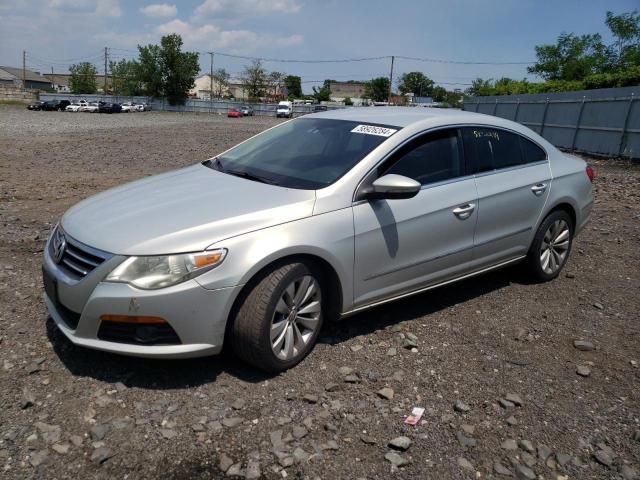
x=137 y=334
x=79 y=260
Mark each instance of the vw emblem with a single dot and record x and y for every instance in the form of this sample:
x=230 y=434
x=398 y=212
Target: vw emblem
x=59 y=244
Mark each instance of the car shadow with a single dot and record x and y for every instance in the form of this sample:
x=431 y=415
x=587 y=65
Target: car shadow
x=157 y=374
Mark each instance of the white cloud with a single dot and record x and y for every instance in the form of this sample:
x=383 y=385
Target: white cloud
x=160 y=10
x=105 y=8
x=247 y=7
x=208 y=36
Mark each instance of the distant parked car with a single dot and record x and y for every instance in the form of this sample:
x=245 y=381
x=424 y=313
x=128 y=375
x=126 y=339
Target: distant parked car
x=53 y=105
x=76 y=106
x=234 y=113
x=90 y=107
x=35 y=106
x=246 y=110
x=284 y=109
x=320 y=108
x=128 y=107
x=109 y=108
x=143 y=107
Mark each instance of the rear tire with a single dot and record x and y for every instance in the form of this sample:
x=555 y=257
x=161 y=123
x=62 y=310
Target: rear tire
x=278 y=321
x=551 y=246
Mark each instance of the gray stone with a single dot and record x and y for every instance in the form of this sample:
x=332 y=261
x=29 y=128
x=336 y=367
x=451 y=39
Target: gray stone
x=563 y=459
x=101 y=455
x=628 y=473
x=309 y=398
x=300 y=456
x=345 y=371
x=465 y=441
x=38 y=458
x=232 y=421
x=224 y=462
x=332 y=387
x=396 y=459
x=49 y=433
x=98 y=432
x=598 y=305
x=465 y=464
x=603 y=457
x=386 y=393
x=356 y=348
x=462 y=407
x=525 y=473
x=392 y=352
x=353 y=378
x=299 y=432
x=515 y=399
x=253 y=467
x=501 y=469
x=583 y=371
x=636 y=435
x=400 y=443
x=368 y=439
x=509 y=444
x=235 y=470
x=512 y=421
x=506 y=403
x=528 y=459
x=238 y=404
x=468 y=429
x=526 y=445
x=168 y=433
x=61 y=448
x=330 y=445
x=583 y=345
x=28 y=399
x=544 y=452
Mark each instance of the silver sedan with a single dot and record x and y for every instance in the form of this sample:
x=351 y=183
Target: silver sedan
x=309 y=221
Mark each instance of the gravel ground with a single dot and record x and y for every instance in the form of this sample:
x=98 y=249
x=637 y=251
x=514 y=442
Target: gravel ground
x=492 y=359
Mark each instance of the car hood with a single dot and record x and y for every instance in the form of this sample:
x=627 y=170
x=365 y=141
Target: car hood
x=181 y=211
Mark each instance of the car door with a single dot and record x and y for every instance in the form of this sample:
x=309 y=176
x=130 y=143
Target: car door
x=513 y=179
x=404 y=244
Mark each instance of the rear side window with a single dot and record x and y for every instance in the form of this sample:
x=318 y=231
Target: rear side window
x=434 y=157
x=491 y=149
x=532 y=152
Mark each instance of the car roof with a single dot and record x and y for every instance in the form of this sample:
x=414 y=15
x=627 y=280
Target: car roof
x=405 y=116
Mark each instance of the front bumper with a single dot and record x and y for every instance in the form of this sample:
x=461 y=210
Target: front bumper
x=197 y=315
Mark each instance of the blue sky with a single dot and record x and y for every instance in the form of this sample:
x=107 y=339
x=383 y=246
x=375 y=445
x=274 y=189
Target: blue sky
x=56 y=33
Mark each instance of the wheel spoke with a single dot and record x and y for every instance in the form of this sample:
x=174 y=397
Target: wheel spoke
x=278 y=343
x=312 y=307
x=562 y=245
x=282 y=307
x=544 y=259
x=552 y=260
x=288 y=342
x=276 y=329
x=564 y=235
x=299 y=341
x=308 y=323
x=289 y=295
x=301 y=291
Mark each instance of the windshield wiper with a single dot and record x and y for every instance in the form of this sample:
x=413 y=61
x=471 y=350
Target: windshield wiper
x=249 y=176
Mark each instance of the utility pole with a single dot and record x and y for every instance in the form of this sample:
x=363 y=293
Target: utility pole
x=393 y=57
x=105 y=70
x=24 y=69
x=211 y=77
x=52 y=79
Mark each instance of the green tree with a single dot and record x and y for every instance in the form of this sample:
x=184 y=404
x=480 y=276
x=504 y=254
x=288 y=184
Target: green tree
x=294 y=86
x=83 y=78
x=276 y=80
x=323 y=94
x=255 y=79
x=480 y=88
x=625 y=29
x=417 y=83
x=439 y=94
x=571 y=58
x=377 y=89
x=347 y=101
x=125 y=78
x=221 y=78
x=166 y=70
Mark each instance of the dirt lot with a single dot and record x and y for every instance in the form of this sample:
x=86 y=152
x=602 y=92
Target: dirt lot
x=67 y=412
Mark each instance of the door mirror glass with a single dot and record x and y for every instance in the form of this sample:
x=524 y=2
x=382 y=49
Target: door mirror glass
x=393 y=186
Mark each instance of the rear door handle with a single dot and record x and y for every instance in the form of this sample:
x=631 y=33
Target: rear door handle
x=539 y=189
x=464 y=211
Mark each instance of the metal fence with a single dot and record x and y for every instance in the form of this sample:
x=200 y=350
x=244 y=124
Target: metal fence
x=192 y=105
x=598 y=122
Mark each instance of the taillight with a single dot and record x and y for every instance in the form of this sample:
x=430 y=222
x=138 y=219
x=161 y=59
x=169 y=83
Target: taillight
x=590 y=173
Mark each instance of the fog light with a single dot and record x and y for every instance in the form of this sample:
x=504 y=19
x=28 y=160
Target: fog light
x=138 y=319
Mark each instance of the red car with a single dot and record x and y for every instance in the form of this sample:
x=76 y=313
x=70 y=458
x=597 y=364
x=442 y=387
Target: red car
x=233 y=113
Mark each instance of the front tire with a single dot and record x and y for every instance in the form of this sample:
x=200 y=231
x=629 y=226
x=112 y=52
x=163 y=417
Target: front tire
x=551 y=246
x=280 y=318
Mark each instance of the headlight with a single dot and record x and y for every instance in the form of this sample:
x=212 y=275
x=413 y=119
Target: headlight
x=150 y=273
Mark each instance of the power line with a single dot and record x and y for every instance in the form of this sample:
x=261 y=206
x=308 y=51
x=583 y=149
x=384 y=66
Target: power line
x=459 y=62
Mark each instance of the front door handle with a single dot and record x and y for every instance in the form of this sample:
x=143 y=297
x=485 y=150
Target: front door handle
x=464 y=211
x=539 y=189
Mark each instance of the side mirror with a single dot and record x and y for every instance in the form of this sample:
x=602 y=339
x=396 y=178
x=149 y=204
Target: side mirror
x=393 y=186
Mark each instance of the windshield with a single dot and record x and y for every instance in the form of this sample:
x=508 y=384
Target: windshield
x=307 y=153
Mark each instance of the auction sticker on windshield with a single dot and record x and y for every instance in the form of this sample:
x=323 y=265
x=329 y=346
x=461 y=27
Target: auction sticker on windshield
x=374 y=130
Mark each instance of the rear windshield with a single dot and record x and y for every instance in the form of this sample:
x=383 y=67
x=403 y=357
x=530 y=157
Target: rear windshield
x=306 y=153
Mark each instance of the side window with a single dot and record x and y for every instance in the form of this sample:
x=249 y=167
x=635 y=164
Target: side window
x=532 y=152
x=491 y=149
x=433 y=157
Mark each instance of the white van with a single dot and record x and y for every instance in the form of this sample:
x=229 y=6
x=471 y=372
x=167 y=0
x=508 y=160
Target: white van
x=284 y=109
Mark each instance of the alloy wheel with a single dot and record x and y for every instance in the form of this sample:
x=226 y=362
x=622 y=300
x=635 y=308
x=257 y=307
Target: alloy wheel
x=296 y=317
x=555 y=246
